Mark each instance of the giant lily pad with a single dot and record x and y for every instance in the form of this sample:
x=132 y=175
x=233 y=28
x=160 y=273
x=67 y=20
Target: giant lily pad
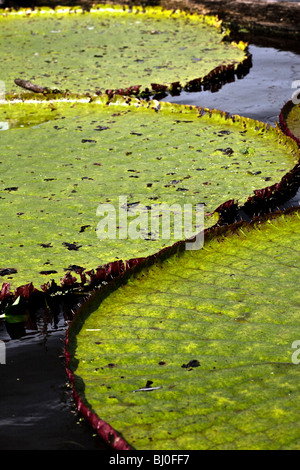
x=114 y=47
x=198 y=350
x=62 y=159
x=289 y=120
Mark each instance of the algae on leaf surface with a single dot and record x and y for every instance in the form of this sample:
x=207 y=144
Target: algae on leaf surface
x=56 y=173
x=197 y=351
x=112 y=47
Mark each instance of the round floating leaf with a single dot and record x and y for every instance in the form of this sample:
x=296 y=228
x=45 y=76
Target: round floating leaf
x=64 y=162
x=289 y=120
x=200 y=349
x=113 y=47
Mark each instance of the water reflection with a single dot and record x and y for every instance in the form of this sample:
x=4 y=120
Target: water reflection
x=260 y=94
x=39 y=317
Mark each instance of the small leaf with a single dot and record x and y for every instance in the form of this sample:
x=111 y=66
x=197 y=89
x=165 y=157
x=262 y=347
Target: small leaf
x=289 y=120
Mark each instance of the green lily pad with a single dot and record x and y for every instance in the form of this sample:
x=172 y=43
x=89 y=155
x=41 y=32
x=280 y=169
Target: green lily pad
x=63 y=159
x=198 y=350
x=289 y=120
x=114 y=47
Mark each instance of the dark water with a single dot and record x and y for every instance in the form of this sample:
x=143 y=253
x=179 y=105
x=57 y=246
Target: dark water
x=36 y=409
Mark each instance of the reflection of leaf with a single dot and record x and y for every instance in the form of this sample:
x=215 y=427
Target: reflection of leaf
x=149 y=154
x=212 y=329
x=113 y=48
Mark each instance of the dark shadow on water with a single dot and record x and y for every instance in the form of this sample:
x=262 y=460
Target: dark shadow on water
x=36 y=407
